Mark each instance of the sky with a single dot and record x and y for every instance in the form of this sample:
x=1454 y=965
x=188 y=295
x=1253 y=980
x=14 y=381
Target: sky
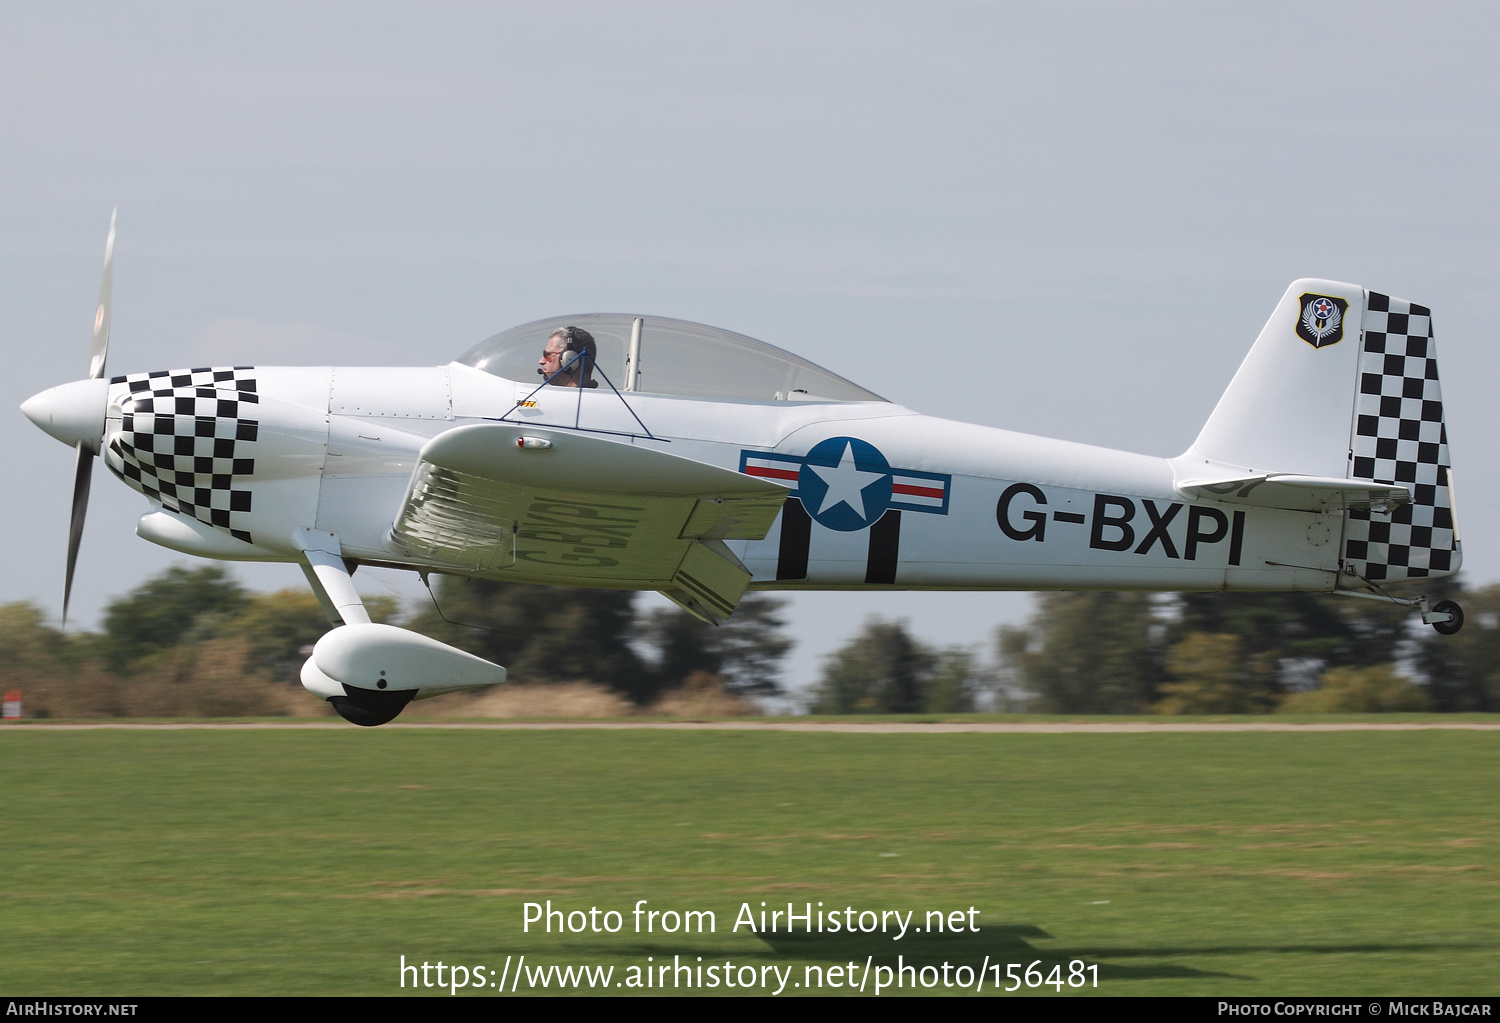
x=1068 y=219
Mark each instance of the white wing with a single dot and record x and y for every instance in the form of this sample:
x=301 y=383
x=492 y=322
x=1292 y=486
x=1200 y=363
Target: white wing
x=582 y=510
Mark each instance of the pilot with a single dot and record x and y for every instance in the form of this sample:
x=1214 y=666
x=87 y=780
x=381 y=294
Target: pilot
x=568 y=359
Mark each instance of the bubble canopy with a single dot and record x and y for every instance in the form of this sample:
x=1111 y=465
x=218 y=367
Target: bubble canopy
x=657 y=355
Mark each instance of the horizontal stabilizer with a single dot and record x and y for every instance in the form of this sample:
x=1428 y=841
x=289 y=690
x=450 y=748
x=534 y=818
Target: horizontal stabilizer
x=1295 y=492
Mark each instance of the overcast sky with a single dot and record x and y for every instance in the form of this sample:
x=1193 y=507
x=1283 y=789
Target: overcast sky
x=1065 y=219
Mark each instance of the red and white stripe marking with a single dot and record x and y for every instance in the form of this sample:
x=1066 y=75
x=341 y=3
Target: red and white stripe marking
x=772 y=469
x=918 y=490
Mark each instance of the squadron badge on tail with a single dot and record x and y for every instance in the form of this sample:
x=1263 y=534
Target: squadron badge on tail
x=1322 y=321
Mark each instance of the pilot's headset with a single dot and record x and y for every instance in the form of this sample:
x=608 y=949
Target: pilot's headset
x=579 y=346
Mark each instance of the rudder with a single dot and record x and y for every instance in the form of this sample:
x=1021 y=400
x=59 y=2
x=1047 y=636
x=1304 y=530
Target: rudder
x=1400 y=437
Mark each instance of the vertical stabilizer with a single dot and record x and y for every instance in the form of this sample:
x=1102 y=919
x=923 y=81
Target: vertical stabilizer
x=1288 y=408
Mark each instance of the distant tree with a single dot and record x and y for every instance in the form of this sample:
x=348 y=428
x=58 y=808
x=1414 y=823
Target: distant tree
x=683 y=646
x=1205 y=653
x=27 y=642
x=1088 y=653
x=1462 y=672
x=753 y=645
x=1373 y=690
x=954 y=683
x=745 y=652
x=280 y=627
x=879 y=671
x=208 y=672
x=884 y=670
x=160 y=612
x=1285 y=634
x=56 y=674
x=1205 y=675
x=543 y=633
x=1010 y=687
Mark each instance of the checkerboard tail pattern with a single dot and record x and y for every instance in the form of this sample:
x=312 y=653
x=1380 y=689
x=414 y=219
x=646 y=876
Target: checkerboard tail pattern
x=1399 y=437
x=187 y=441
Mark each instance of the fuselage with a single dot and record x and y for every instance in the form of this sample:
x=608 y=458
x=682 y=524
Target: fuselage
x=879 y=497
x=718 y=462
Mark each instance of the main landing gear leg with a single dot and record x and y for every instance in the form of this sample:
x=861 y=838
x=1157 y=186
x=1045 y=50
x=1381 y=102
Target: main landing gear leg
x=1445 y=616
x=328 y=575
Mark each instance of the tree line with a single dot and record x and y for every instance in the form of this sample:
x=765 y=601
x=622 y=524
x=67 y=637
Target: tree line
x=1187 y=653
x=1239 y=653
x=194 y=642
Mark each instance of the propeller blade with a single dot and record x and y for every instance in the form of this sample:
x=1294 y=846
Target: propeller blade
x=100 y=346
x=83 y=468
x=83 y=476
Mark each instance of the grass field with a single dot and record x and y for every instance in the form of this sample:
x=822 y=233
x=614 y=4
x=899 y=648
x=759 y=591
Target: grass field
x=308 y=862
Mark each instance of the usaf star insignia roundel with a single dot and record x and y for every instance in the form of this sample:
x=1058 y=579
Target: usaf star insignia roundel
x=847 y=484
x=1321 y=321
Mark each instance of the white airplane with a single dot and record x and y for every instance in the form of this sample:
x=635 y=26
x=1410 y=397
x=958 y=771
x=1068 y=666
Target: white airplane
x=657 y=454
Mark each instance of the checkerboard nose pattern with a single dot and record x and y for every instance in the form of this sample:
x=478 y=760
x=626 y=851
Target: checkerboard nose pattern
x=1399 y=437
x=187 y=441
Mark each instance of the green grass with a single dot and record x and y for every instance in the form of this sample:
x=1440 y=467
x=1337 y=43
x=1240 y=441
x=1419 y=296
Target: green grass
x=216 y=862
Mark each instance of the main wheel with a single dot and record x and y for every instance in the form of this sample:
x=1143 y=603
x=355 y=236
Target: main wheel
x=367 y=708
x=1455 y=623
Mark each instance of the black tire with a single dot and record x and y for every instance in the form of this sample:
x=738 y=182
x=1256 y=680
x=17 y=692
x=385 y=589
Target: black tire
x=367 y=708
x=1448 y=628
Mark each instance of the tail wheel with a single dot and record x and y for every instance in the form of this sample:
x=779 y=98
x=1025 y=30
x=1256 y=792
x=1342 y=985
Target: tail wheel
x=1454 y=623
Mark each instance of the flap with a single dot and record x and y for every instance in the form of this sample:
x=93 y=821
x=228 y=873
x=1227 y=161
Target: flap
x=1294 y=492
x=517 y=502
x=709 y=583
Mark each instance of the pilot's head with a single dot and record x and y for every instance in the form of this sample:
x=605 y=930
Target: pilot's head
x=569 y=358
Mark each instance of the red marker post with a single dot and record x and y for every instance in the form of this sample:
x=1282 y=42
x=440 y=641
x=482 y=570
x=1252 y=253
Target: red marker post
x=12 y=705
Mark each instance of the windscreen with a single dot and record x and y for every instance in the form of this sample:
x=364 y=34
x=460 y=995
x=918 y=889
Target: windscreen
x=672 y=357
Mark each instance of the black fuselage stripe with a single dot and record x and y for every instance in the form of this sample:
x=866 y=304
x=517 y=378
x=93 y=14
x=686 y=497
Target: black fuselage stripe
x=796 y=534
x=885 y=548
